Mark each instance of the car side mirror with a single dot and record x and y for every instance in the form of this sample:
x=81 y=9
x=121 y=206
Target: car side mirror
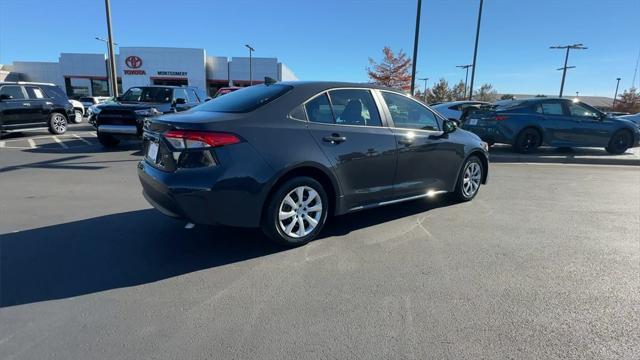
x=118 y=98
x=449 y=126
x=5 y=97
x=180 y=101
x=456 y=121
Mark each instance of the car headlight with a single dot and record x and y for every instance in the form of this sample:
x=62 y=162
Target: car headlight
x=148 y=112
x=93 y=110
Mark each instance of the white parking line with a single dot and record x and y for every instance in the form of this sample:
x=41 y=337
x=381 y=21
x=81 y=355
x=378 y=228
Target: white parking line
x=2 y=144
x=64 y=146
x=31 y=143
x=82 y=139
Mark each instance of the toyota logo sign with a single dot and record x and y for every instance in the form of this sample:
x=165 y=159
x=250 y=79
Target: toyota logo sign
x=133 y=61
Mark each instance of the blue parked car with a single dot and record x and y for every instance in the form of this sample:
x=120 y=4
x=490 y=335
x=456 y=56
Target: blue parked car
x=526 y=124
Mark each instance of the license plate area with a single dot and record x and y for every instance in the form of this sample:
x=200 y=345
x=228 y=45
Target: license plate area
x=152 y=151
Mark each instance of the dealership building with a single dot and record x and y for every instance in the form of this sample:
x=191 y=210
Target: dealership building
x=86 y=74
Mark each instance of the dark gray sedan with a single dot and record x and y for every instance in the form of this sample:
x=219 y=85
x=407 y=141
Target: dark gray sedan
x=527 y=124
x=285 y=156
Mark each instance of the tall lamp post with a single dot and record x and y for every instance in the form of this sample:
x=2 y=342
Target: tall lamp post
x=466 y=77
x=475 y=51
x=615 y=96
x=425 y=89
x=566 y=59
x=415 y=48
x=112 y=57
x=250 y=63
x=108 y=67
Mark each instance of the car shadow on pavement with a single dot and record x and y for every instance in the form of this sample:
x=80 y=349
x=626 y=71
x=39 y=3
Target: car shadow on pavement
x=342 y=225
x=135 y=147
x=114 y=251
x=139 y=247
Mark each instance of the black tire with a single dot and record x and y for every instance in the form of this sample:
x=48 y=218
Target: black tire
x=108 y=140
x=462 y=192
x=620 y=142
x=271 y=223
x=528 y=141
x=58 y=123
x=78 y=118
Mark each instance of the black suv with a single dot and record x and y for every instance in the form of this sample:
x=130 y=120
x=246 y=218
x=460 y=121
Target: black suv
x=125 y=117
x=28 y=106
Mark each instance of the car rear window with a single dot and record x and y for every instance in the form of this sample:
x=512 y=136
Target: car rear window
x=246 y=99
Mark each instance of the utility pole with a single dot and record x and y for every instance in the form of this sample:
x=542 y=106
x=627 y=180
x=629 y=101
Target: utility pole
x=425 y=89
x=108 y=66
x=475 y=51
x=466 y=77
x=250 y=61
x=566 y=59
x=415 y=49
x=613 y=107
x=112 y=58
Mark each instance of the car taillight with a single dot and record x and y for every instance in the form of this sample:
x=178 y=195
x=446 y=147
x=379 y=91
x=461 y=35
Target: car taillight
x=501 y=117
x=188 y=139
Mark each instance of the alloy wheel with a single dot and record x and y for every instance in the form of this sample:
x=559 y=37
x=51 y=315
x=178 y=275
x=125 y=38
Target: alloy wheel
x=299 y=212
x=59 y=123
x=471 y=180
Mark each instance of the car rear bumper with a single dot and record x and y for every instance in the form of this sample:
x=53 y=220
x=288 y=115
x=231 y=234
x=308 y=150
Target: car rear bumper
x=202 y=195
x=119 y=129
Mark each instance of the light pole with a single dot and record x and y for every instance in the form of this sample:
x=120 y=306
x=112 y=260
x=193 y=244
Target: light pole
x=108 y=67
x=250 y=63
x=415 y=48
x=466 y=77
x=566 y=59
x=425 y=89
x=577 y=94
x=613 y=107
x=112 y=57
x=475 y=51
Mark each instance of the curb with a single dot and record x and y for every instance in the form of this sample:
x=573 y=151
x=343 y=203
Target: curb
x=516 y=158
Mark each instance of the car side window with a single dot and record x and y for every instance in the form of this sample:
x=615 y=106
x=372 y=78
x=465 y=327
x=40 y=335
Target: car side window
x=12 y=92
x=34 y=92
x=354 y=107
x=552 y=108
x=582 y=111
x=407 y=113
x=298 y=113
x=319 y=110
x=180 y=94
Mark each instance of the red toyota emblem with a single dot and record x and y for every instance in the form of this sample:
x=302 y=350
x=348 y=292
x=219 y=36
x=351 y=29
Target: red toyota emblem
x=133 y=61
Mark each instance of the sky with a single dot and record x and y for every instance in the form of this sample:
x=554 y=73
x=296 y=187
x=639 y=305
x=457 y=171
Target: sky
x=333 y=39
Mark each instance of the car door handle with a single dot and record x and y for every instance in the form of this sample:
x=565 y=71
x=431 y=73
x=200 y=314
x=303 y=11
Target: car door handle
x=26 y=104
x=334 y=139
x=405 y=141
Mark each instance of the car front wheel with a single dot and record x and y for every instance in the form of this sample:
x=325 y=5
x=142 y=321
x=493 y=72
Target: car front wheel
x=57 y=123
x=78 y=118
x=620 y=142
x=469 y=180
x=296 y=212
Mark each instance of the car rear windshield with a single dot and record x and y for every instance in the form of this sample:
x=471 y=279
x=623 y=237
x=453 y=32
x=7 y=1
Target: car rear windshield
x=246 y=99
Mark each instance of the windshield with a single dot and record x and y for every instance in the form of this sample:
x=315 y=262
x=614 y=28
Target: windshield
x=246 y=99
x=148 y=94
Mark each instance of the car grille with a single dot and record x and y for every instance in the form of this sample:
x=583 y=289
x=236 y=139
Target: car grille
x=117 y=117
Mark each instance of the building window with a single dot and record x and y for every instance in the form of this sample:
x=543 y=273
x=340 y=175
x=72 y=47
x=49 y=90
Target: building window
x=99 y=87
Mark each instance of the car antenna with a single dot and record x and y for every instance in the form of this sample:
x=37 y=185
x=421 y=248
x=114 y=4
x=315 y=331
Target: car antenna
x=269 y=81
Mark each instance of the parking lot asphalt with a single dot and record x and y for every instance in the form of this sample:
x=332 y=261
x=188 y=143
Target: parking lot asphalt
x=543 y=264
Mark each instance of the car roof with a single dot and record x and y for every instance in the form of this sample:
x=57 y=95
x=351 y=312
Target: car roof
x=324 y=85
x=26 y=83
x=163 y=86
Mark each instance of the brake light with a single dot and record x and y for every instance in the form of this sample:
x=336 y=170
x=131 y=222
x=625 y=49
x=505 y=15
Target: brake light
x=188 y=139
x=501 y=117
